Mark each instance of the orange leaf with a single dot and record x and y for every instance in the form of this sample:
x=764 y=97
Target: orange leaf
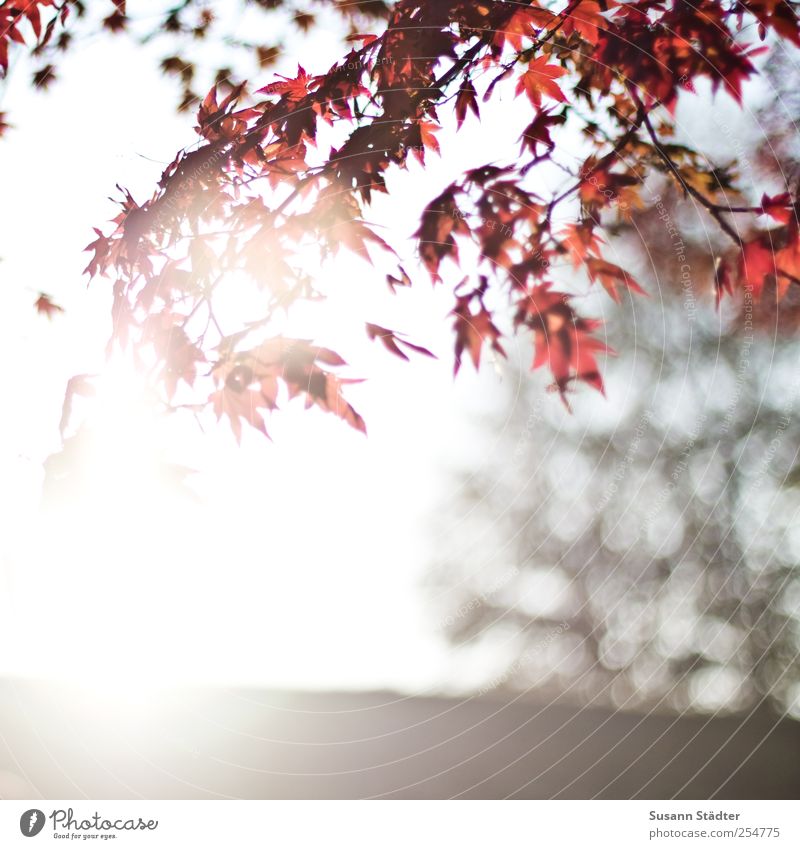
x=611 y=276
x=539 y=80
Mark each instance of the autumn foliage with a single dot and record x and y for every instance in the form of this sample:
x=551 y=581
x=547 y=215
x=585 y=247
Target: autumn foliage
x=259 y=188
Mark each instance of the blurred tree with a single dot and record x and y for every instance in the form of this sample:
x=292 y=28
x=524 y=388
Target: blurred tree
x=644 y=556
x=203 y=42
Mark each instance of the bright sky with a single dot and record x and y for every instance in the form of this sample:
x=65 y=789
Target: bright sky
x=303 y=564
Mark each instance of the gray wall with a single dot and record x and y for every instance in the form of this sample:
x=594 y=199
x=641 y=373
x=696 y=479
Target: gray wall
x=63 y=743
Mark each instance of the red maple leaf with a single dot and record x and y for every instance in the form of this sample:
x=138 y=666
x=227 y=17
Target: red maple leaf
x=292 y=89
x=723 y=279
x=540 y=79
x=563 y=340
x=242 y=398
x=612 y=277
x=580 y=240
x=467 y=99
x=474 y=327
x=392 y=341
x=757 y=262
x=779 y=207
x=585 y=19
x=538 y=131
x=44 y=306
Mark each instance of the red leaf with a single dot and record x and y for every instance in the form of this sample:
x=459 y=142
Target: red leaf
x=427 y=139
x=467 y=99
x=779 y=207
x=562 y=339
x=239 y=401
x=580 y=240
x=585 y=19
x=722 y=279
x=44 y=306
x=366 y=38
x=756 y=263
x=540 y=79
x=392 y=342
x=538 y=131
x=293 y=89
x=474 y=328
x=611 y=276
x=403 y=280
x=4 y=125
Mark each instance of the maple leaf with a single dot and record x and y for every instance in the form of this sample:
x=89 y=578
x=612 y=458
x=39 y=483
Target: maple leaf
x=240 y=402
x=44 y=77
x=524 y=23
x=101 y=248
x=788 y=262
x=612 y=277
x=116 y=21
x=392 y=342
x=365 y=38
x=779 y=207
x=251 y=381
x=262 y=192
x=474 y=328
x=355 y=235
x=580 y=240
x=178 y=353
x=403 y=280
x=563 y=340
x=422 y=137
x=440 y=220
x=321 y=389
x=292 y=89
x=779 y=15
x=757 y=263
x=772 y=257
x=540 y=79
x=585 y=19
x=736 y=69
x=467 y=99
x=538 y=131
x=44 y=306
x=723 y=279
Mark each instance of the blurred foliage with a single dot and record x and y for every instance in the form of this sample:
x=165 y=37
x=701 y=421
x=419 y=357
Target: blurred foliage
x=203 y=43
x=644 y=552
